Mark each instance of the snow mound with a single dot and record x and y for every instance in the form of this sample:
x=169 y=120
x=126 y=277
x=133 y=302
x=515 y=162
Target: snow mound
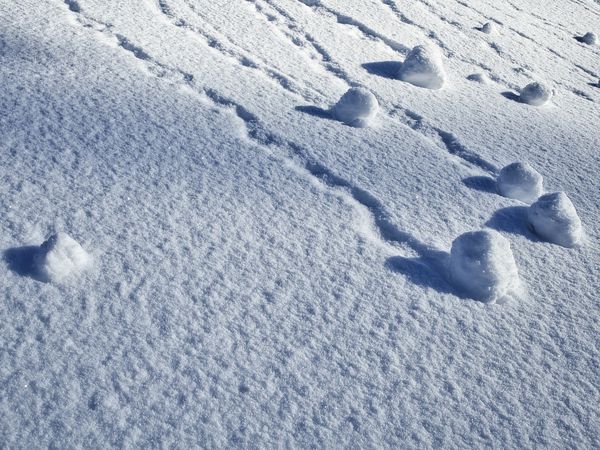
x=60 y=257
x=423 y=67
x=479 y=78
x=356 y=107
x=520 y=181
x=488 y=28
x=482 y=265
x=589 y=38
x=554 y=218
x=536 y=93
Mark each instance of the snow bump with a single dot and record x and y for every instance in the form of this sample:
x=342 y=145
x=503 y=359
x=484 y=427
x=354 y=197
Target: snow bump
x=520 y=181
x=536 y=93
x=61 y=257
x=554 y=218
x=357 y=107
x=423 y=67
x=482 y=266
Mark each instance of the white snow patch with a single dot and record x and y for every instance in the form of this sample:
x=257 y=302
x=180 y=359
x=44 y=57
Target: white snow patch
x=483 y=266
x=554 y=218
x=590 y=38
x=423 y=67
x=536 y=93
x=61 y=257
x=356 y=107
x=520 y=181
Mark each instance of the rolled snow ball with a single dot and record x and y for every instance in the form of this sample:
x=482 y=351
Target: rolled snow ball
x=488 y=28
x=520 y=181
x=479 y=78
x=554 y=218
x=61 y=257
x=536 y=93
x=482 y=265
x=590 y=38
x=357 y=107
x=423 y=67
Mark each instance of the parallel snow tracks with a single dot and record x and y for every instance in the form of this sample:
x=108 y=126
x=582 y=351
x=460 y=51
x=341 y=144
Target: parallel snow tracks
x=386 y=234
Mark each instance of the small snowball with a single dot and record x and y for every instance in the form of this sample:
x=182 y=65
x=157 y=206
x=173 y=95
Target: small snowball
x=488 y=28
x=483 y=266
x=423 y=67
x=479 y=78
x=357 y=107
x=554 y=218
x=536 y=93
x=60 y=256
x=520 y=181
x=590 y=38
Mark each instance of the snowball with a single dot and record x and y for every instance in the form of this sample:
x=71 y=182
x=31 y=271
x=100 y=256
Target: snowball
x=536 y=93
x=479 y=78
x=423 y=67
x=554 y=218
x=488 y=28
x=356 y=107
x=589 y=38
x=483 y=266
x=60 y=256
x=521 y=181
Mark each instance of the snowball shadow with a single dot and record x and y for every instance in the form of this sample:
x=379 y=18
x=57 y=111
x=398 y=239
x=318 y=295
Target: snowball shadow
x=428 y=270
x=512 y=219
x=512 y=96
x=21 y=260
x=315 y=111
x=385 y=69
x=481 y=183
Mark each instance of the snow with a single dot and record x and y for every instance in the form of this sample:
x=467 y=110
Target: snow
x=423 y=67
x=536 y=93
x=589 y=38
x=267 y=276
x=554 y=218
x=488 y=28
x=357 y=107
x=482 y=265
x=61 y=257
x=520 y=181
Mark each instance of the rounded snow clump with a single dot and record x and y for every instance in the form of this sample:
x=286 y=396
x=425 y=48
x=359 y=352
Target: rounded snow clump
x=423 y=67
x=488 y=28
x=59 y=257
x=482 y=265
x=479 y=78
x=536 y=93
x=520 y=181
x=589 y=38
x=554 y=218
x=356 y=107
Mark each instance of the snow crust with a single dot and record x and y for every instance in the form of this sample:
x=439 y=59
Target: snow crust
x=61 y=257
x=536 y=93
x=520 y=181
x=554 y=218
x=423 y=67
x=357 y=107
x=482 y=265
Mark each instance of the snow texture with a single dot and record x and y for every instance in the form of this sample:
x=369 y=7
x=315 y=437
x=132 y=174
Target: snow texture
x=61 y=257
x=554 y=218
x=482 y=266
x=423 y=67
x=357 y=107
x=536 y=93
x=520 y=181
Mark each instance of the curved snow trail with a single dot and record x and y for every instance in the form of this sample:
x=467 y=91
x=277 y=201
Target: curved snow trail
x=375 y=222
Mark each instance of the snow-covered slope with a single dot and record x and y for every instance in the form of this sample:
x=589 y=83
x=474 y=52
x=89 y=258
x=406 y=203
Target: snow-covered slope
x=241 y=269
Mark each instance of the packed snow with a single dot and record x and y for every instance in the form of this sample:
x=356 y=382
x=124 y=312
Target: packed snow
x=554 y=218
x=357 y=107
x=520 y=181
x=245 y=270
x=423 y=67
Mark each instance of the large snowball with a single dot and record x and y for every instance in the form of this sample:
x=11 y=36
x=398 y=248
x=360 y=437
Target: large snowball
x=554 y=218
x=483 y=267
x=423 y=67
x=60 y=257
x=589 y=38
x=520 y=181
x=536 y=93
x=357 y=107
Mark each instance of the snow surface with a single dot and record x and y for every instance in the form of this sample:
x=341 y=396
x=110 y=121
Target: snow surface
x=267 y=277
x=520 y=181
x=554 y=217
